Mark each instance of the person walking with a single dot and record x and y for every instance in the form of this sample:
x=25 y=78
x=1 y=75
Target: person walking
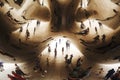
x=109 y=74
x=55 y=52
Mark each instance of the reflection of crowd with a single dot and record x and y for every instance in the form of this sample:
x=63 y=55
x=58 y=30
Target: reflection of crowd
x=27 y=33
x=112 y=74
x=79 y=73
x=57 y=45
x=18 y=74
x=84 y=31
x=43 y=69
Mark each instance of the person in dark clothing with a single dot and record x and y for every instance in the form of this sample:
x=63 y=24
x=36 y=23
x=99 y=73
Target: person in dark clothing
x=19 y=71
x=1 y=4
x=27 y=34
x=96 y=30
x=56 y=45
x=21 y=29
x=68 y=61
x=109 y=74
x=83 y=32
x=18 y=2
x=38 y=23
x=42 y=3
x=48 y=62
x=63 y=50
x=1 y=66
x=100 y=25
x=103 y=38
x=37 y=66
x=118 y=4
x=66 y=57
x=49 y=48
x=115 y=11
x=9 y=14
x=34 y=30
x=71 y=56
x=79 y=62
x=18 y=76
x=34 y=0
x=6 y=1
x=116 y=76
x=59 y=40
x=12 y=77
x=96 y=39
x=67 y=44
x=55 y=52
x=82 y=26
x=24 y=18
x=87 y=14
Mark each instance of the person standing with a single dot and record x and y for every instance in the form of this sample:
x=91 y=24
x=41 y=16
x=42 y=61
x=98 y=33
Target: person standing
x=47 y=62
x=34 y=30
x=96 y=39
x=56 y=45
x=103 y=38
x=49 y=49
x=79 y=62
x=19 y=71
x=66 y=57
x=59 y=41
x=96 y=30
x=62 y=50
x=21 y=29
x=27 y=34
x=55 y=52
x=38 y=23
x=71 y=57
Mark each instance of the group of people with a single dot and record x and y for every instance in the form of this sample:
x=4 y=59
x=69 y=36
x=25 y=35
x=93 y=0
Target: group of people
x=27 y=35
x=39 y=68
x=11 y=17
x=112 y=74
x=18 y=74
x=79 y=73
x=56 y=45
x=97 y=38
x=68 y=60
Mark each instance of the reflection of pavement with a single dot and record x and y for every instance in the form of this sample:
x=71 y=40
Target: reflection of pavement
x=8 y=68
x=57 y=68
